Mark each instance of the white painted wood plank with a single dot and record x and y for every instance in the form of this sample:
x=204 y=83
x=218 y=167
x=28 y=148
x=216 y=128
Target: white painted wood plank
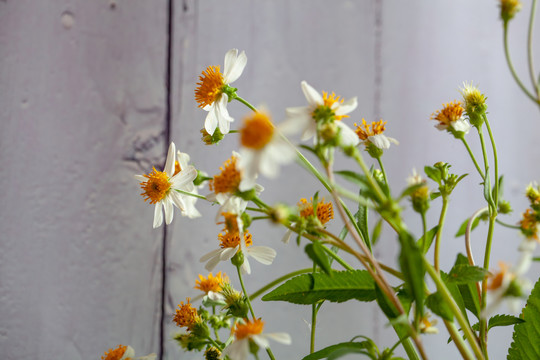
x=82 y=110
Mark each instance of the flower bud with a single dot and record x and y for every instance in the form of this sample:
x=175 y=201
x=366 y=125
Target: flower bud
x=373 y=150
x=212 y=353
x=238 y=259
x=509 y=8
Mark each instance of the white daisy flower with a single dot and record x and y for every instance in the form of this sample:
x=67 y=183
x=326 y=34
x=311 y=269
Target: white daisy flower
x=123 y=352
x=304 y=119
x=374 y=134
x=251 y=331
x=159 y=187
x=451 y=118
x=210 y=94
x=263 y=150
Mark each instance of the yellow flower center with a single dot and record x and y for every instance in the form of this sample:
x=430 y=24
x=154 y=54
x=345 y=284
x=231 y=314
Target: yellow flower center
x=529 y=224
x=209 y=87
x=450 y=112
x=325 y=110
x=257 y=131
x=212 y=283
x=329 y=100
x=232 y=239
x=325 y=211
x=254 y=327
x=156 y=187
x=229 y=178
x=114 y=354
x=177 y=167
x=186 y=315
x=366 y=130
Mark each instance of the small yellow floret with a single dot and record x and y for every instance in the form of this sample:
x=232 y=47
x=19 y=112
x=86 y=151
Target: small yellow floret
x=366 y=130
x=186 y=315
x=210 y=86
x=257 y=131
x=229 y=178
x=156 y=187
x=114 y=354
x=232 y=239
x=450 y=112
x=212 y=283
x=325 y=211
x=497 y=279
x=529 y=225
x=254 y=327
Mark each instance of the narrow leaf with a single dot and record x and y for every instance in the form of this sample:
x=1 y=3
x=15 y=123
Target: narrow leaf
x=312 y=288
x=433 y=173
x=430 y=235
x=375 y=235
x=469 y=292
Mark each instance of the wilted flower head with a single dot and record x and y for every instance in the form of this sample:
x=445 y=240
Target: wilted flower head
x=509 y=8
x=186 y=316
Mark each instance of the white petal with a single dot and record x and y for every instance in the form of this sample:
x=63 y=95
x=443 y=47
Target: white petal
x=184 y=178
x=281 y=337
x=234 y=66
x=183 y=159
x=171 y=160
x=380 y=141
x=238 y=350
x=246 y=268
x=228 y=253
x=461 y=125
x=262 y=254
x=312 y=96
x=215 y=296
x=190 y=211
x=260 y=340
x=441 y=126
x=177 y=200
x=222 y=114
x=211 y=121
x=158 y=215
x=211 y=254
x=287 y=237
x=347 y=135
x=211 y=264
x=169 y=210
x=152 y=356
x=309 y=131
x=347 y=107
x=129 y=353
x=140 y=178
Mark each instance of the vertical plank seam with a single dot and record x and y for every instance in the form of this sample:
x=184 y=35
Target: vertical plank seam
x=168 y=116
x=377 y=53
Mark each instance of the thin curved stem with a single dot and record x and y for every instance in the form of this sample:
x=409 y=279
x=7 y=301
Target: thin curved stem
x=243 y=101
x=468 y=243
x=511 y=66
x=202 y=197
x=495 y=164
x=473 y=158
x=530 y=50
x=424 y=231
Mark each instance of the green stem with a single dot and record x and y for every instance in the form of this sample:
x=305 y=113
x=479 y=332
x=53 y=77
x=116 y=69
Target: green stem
x=243 y=101
x=245 y=292
x=260 y=218
x=473 y=158
x=530 y=50
x=424 y=231
x=465 y=327
x=458 y=340
x=483 y=321
x=215 y=330
x=213 y=342
x=495 y=163
x=261 y=204
x=279 y=280
x=314 y=311
x=338 y=258
x=309 y=166
x=507 y=225
x=439 y=233
x=379 y=160
x=374 y=185
x=511 y=66
x=191 y=194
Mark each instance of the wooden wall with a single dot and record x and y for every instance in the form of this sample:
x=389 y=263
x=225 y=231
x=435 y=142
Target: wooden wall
x=93 y=91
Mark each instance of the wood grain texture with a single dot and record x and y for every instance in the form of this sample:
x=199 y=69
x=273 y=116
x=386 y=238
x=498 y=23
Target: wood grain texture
x=82 y=110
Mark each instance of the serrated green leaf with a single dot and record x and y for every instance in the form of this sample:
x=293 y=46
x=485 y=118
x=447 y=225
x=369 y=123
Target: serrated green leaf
x=435 y=302
x=312 y=288
x=465 y=273
x=316 y=253
x=412 y=267
x=469 y=292
x=463 y=226
x=526 y=336
x=503 y=320
x=341 y=349
x=361 y=218
x=430 y=235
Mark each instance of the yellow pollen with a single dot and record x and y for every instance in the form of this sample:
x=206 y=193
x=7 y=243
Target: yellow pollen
x=230 y=222
x=209 y=87
x=497 y=279
x=325 y=211
x=156 y=187
x=257 y=131
x=450 y=112
x=330 y=100
x=228 y=180
x=366 y=130
x=114 y=354
x=186 y=315
x=212 y=283
x=254 y=327
x=232 y=239
x=529 y=225
x=177 y=167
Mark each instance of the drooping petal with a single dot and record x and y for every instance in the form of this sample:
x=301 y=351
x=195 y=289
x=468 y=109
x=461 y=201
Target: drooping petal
x=287 y=237
x=140 y=178
x=177 y=200
x=346 y=107
x=238 y=350
x=262 y=254
x=260 y=340
x=171 y=160
x=461 y=125
x=312 y=96
x=222 y=114
x=184 y=178
x=246 y=268
x=348 y=136
x=158 y=215
x=309 y=131
x=380 y=141
x=169 y=210
x=234 y=65
x=211 y=121
x=228 y=253
x=211 y=264
x=280 y=337
x=211 y=254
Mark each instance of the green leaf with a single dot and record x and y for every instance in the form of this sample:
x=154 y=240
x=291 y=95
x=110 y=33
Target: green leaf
x=526 y=337
x=487 y=191
x=435 y=302
x=410 y=189
x=465 y=273
x=469 y=292
x=361 y=218
x=376 y=234
x=430 y=235
x=317 y=254
x=341 y=349
x=434 y=195
x=312 y=288
x=412 y=267
x=503 y=320
x=536 y=259
x=355 y=178
x=433 y=173
x=463 y=226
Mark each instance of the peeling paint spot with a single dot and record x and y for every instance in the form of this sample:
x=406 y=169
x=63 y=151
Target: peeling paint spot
x=67 y=19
